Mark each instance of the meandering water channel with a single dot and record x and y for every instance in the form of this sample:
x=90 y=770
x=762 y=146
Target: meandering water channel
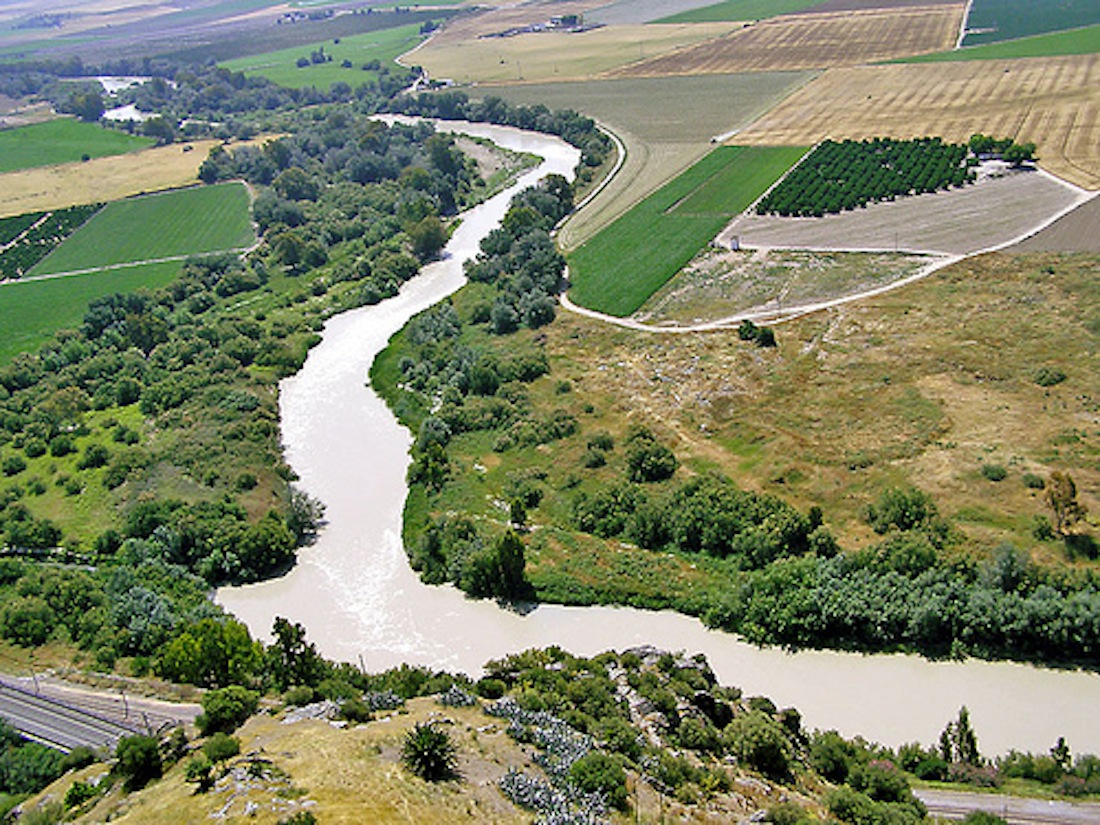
x=360 y=602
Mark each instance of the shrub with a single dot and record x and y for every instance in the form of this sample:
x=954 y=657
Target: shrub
x=994 y=472
x=489 y=688
x=1032 y=481
x=646 y=460
x=79 y=793
x=226 y=709
x=355 y=710
x=1048 y=376
x=200 y=770
x=298 y=695
x=138 y=761
x=597 y=772
x=760 y=742
x=221 y=746
x=13 y=465
x=429 y=753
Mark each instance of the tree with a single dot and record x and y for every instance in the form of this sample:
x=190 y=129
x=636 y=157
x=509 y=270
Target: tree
x=428 y=235
x=429 y=753
x=958 y=742
x=1062 y=497
x=292 y=660
x=138 y=761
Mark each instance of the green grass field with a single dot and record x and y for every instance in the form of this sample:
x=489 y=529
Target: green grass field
x=618 y=269
x=740 y=10
x=281 y=66
x=180 y=222
x=1075 y=41
x=62 y=141
x=33 y=310
x=993 y=21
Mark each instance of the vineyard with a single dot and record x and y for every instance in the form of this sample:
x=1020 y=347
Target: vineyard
x=841 y=176
x=27 y=239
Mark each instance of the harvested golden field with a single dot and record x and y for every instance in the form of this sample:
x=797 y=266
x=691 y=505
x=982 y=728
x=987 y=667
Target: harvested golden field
x=553 y=55
x=814 y=41
x=924 y=385
x=103 y=179
x=1052 y=101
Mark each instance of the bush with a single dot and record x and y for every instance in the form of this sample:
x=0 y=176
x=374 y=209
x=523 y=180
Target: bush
x=226 y=709
x=596 y=772
x=1032 y=481
x=138 y=761
x=79 y=793
x=488 y=688
x=13 y=465
x=994 y=472
x=298 y=695
x=429 y=753
x=221 y=746
x=760 y=742
x=1048 y=376
x=646 y=460
x=355 y=710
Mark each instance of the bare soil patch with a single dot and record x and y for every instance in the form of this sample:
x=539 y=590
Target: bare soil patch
x=814 y=41
x=955 y=222
x=1079 y=231
x=1052 y=101
x=721 y=283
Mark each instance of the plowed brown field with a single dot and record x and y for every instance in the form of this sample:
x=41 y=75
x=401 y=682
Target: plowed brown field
x=1053 y=101
x=814 y=41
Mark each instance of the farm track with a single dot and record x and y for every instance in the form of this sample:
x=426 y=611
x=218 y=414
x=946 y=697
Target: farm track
x=241 y=250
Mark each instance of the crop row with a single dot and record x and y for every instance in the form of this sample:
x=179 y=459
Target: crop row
x=40 y=240
x=839 y=176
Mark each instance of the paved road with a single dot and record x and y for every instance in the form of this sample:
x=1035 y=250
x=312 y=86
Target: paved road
x=58 y=725
x=1014 y=809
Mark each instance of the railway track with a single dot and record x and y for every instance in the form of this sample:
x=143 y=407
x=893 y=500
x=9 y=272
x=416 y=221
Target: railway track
x=56 y=724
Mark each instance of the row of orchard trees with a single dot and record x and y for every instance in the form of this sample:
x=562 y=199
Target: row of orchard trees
x=839 y=176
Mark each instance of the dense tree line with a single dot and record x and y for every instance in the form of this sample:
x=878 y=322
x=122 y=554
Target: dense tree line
x=839 y=176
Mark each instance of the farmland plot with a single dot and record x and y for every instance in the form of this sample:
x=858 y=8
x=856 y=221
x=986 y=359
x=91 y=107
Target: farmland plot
x=1053 y=102
x=551 y=56
x=666 y=123
x=959 y=221
x=626 y=262
x=813 y=41
x=992 y=21
x=62 y=141
x=102 y=179
x=1076 y=41
x=179 y=223
x=1079 y=231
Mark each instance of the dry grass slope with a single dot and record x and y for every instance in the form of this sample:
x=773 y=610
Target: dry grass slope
x=814 y=41
x=1052 y=101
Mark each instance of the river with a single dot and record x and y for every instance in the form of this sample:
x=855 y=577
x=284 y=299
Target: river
x=360 y=601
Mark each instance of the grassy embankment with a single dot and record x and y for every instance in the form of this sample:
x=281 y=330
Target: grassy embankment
x=62 y=141
x=1075 y=41
x=618 y=269
x=281 y=66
